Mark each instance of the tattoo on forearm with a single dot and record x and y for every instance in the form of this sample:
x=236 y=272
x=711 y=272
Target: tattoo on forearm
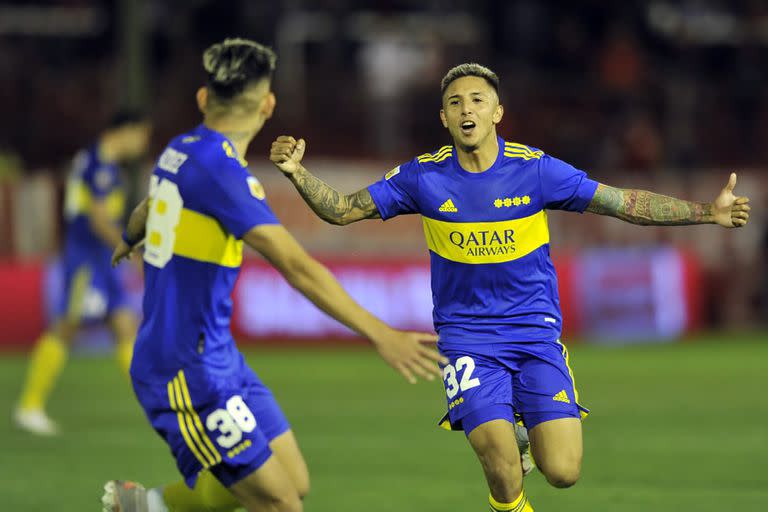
x=331 y=205
x=647 y=208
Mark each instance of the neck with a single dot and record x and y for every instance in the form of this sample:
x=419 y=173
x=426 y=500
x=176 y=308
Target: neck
x=239 y=132
x=481 y=157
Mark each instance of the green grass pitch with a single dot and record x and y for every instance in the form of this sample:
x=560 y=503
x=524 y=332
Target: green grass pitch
x=673 y=428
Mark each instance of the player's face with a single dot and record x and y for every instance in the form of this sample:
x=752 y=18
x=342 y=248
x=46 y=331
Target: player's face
x=470 y=111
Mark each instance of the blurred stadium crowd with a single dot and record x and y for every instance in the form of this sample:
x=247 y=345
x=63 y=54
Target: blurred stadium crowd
x=663 y=95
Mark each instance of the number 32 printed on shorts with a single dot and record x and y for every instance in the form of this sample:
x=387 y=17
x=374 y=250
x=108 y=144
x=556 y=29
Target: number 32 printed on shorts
x=465 y=365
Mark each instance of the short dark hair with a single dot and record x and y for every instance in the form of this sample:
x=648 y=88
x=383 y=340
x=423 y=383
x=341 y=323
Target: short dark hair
x=234 y=63
x=470 y=69
x=125 y=116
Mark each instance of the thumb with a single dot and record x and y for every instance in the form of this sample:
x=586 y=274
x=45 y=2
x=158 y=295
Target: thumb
x=298 y=151
x=731 y=182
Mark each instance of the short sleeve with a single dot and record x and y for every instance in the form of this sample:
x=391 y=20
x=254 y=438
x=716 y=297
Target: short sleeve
x=237 y=199
x=101 y=180
x=563 y=186
x=395 y=194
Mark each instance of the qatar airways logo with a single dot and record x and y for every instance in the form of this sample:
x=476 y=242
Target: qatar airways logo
x=484 y=242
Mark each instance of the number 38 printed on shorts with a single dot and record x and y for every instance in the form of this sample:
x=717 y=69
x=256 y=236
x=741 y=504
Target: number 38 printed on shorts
x=465 y=365
x=231 y=422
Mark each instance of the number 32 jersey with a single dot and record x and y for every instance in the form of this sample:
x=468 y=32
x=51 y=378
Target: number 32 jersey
x=202 y=201
x=492 y=276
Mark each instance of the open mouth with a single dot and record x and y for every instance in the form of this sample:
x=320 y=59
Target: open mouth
x=467 y=127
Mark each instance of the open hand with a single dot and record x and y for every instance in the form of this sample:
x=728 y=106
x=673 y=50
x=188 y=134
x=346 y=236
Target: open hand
x=729 y=210
x=406 y=352
x=286 y=153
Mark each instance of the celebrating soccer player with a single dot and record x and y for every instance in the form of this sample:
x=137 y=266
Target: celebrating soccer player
x=483 y=203
x=231 y=441
x=93 y=208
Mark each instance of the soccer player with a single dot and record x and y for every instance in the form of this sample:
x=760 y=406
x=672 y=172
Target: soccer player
x=483 y=203
x=231 y=441
x=93 y=208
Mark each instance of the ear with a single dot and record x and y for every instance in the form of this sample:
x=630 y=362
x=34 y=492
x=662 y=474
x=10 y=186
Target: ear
x=443 y=118
x=498 y=114
x=202 y=99
x=268 y=107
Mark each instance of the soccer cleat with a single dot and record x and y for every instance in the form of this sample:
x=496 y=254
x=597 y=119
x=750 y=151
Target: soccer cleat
x=35 y=421
x=524 y=446
x=124 y=496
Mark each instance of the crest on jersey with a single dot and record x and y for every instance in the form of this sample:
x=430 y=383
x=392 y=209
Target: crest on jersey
x=256 y=188
x=393 y=172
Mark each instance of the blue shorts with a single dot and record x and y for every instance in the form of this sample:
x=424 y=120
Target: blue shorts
x=92 y=289
x=221 y=424
x=527 y=380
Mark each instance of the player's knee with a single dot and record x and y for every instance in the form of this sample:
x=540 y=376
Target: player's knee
x=288 y=503
x=563 y=474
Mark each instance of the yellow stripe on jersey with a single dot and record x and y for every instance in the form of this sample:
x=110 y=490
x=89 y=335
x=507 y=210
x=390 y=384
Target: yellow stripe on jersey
x=438 y=156
x=79 y=200
x=515 y=150
x=566 y=356
x=486 y=242
x=202 y=238
x=172 y=391
x=195 y=417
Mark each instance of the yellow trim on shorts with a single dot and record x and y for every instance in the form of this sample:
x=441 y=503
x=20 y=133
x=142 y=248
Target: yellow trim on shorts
x=566 y=356
x=194 y=415
x=77 y=292
x=189 y=423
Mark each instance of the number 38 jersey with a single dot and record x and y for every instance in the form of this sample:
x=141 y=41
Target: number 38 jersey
x=492 y=276
x=202 y=201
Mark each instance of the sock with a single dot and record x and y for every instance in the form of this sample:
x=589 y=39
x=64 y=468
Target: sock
x=521 y=504
x=155 y=501
x=208 y=495
x=45 y=365
x=124 y=353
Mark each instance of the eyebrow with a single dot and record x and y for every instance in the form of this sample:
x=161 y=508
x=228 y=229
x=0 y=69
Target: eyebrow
x=478 y=93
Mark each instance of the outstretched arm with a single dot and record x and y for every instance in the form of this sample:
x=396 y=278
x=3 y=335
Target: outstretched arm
x=328 y=203
x=406 y=352
x=650 y=209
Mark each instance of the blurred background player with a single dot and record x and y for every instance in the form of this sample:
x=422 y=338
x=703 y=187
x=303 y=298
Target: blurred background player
x=93 y=208
x=223 y=426
x=496 y=305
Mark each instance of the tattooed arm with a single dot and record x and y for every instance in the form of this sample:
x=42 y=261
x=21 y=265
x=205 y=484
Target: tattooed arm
x=331 y=205
x=650 y=209
x=328 y=203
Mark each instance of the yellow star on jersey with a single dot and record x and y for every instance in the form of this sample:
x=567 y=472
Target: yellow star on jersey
x=498 y=203
x=526 y=199
x=507 y=202
x=517 y=201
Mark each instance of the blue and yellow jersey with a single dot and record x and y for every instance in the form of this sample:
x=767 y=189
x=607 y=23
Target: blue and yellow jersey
x=91 y=179
x=492 y=276
x=202 y=201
